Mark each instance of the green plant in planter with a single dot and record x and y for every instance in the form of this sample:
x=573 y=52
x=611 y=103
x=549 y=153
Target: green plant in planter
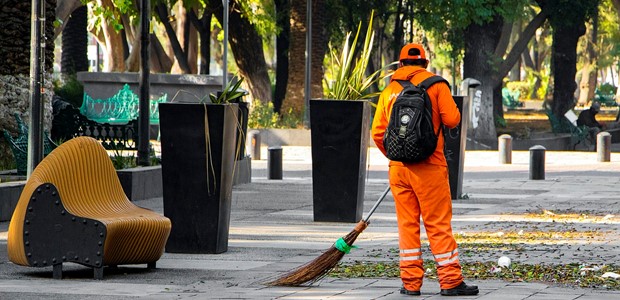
x=232 y=93
x=350 y=81
x=70 y=90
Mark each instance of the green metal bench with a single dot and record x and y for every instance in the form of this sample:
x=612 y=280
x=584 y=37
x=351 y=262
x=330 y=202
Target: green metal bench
x=510 y=99
x=19 y=145
x=605 y=99
x=120 y=108
x=568 y=124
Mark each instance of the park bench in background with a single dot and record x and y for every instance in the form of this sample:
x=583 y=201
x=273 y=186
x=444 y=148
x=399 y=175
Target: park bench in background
x=73 y=209
x=568 y=124
x=19 y=145
x=510 y=99
x=69 y=123
x=118 y=109
x=580 y=134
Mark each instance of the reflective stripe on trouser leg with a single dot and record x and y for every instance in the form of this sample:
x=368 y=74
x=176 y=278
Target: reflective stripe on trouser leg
x=432 y=188
x=408 y=217
x=437 y=216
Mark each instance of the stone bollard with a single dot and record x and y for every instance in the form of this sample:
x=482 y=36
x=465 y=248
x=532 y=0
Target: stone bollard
x=603 y=146
x=274 y=162
x=255 y=144
x=504 y=145
x=537 y=162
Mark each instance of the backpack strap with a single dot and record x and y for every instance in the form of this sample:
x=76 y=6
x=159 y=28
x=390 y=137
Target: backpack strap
x=405 y=83
x=428 y=82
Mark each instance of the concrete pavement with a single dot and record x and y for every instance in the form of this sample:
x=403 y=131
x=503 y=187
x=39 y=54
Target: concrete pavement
x=272 y=231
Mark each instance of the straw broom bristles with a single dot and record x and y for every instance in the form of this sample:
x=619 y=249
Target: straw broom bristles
x=320 y=266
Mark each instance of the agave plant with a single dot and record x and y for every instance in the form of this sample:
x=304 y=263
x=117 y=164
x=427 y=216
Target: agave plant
x=231 y=94
x=350 y=81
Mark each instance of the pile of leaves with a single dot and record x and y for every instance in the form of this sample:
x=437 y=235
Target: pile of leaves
x=567 y=274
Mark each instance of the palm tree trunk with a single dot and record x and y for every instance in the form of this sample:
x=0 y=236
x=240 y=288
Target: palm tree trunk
x=75 y=43
x=15 y=66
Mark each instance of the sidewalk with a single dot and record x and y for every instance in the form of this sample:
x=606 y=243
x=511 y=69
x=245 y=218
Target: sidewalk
x=272 y=231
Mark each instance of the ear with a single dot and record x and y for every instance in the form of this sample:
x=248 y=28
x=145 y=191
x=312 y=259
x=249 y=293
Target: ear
x=426 y=64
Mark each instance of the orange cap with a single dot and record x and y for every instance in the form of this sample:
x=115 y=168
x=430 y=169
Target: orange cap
x=412 y=51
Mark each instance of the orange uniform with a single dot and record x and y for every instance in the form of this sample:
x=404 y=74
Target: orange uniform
x=422 y=189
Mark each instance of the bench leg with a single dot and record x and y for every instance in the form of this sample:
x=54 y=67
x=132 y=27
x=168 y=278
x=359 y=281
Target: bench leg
x=98 y=273
x=57 y=271
x=151 y=265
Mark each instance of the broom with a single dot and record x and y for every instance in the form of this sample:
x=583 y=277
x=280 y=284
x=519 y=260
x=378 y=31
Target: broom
x=319 y=267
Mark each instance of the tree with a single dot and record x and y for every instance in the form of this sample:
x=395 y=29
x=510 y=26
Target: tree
x=64 y=9
x=283 y=15
x=476 y=29
x=587 y=84
x=75 y=43
x=297 y=62
x=15 y=66
x=15 y=36
x=247 y=48
x=567 y=19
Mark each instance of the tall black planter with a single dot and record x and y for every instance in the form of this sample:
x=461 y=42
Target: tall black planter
x=197 y=185
x=340 y=131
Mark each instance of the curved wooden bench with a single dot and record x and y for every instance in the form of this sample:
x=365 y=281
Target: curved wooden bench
x=73 y=209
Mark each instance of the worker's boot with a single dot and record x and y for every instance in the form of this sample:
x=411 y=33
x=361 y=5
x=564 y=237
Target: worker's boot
x=461 y=290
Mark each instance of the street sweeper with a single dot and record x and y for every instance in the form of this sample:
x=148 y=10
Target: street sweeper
x=419 y=178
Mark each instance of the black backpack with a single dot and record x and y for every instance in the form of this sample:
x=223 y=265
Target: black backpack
x=410 y=136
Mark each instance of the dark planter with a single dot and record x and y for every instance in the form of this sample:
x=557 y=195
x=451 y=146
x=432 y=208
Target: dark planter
x=242 y=130
x=141 y=183
x=197 y=185
x=340 y=132
x=243 y=163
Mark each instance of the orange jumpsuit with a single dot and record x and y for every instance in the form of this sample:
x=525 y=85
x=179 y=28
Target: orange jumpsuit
x=422 y=189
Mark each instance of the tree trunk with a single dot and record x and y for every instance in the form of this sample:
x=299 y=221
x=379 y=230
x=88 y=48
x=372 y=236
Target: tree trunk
x=188 y=37
x=15 y=36
x=539 y=53
x=247 y=48
x=179 y=54
x=515 y=72
x=15 y=67
x=564 y=60
x=283 y=16
x=64 y=9
x=590 y=70
x=111 y=42
x=568 y=25
x=319 y=47
x=203 y=26
x=297 y=62
x=398 y=30
x=75 y=43
x=480 y=44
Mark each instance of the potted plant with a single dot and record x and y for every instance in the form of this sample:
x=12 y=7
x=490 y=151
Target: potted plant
x=198 y=159
x=340 y=134
x=234 y=94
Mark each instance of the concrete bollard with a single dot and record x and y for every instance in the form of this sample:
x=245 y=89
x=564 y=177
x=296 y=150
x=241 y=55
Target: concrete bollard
x=255 y=144
x=537 y=162
x=603 y=146
x=504 y=146
x=274 y=162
